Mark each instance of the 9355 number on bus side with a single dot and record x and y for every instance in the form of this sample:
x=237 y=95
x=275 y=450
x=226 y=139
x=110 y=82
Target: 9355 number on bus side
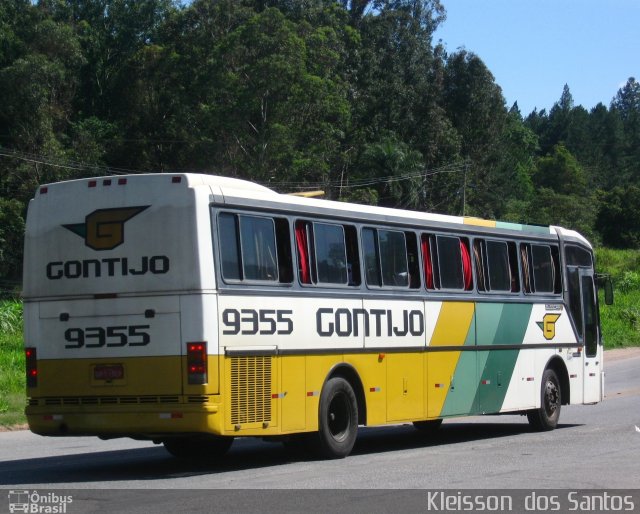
x=250 y=322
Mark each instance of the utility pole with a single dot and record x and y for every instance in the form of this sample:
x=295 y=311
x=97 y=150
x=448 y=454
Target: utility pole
x=464 y=189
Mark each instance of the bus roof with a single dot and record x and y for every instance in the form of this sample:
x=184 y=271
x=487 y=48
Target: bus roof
x=238 y=191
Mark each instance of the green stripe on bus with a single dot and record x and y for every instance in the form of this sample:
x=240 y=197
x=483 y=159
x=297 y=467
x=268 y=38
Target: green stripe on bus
x=460 y=398
x=499 y=365
x=523 y=228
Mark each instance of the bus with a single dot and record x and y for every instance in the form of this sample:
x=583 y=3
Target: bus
x=190 y=309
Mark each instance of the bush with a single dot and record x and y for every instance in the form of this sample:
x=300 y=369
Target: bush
x=10 y=317
x=12 y=375
x=630 y=281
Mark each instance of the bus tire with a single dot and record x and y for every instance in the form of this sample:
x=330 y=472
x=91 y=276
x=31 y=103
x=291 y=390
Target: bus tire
x=338 y=419
x=198 y=448
x=547 y=416
x=429 y=426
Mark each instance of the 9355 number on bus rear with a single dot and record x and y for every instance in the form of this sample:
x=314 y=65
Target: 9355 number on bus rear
x=111 y=337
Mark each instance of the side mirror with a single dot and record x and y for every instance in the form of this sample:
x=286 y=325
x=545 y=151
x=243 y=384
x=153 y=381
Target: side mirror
x=605 y=281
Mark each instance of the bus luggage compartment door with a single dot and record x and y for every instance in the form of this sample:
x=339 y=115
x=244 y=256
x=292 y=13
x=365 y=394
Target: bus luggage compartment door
x=109 y=347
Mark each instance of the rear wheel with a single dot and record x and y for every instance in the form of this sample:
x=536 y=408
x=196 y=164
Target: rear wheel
x=338 y=419
x=547 y=416
x=198 y=448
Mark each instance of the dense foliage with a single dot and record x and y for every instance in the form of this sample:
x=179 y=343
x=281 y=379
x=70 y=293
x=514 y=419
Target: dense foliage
x=351 y=96
x=12 y=376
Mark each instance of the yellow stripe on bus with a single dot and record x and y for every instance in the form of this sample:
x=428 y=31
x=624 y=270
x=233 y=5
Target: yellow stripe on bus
x=479 y=222
x=451 y=330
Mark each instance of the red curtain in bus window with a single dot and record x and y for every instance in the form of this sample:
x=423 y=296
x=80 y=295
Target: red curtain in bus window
x=303 y=254
x=466 y=265
x=428 y=265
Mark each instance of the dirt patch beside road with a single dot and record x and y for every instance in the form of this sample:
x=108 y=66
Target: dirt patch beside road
x=621 y=353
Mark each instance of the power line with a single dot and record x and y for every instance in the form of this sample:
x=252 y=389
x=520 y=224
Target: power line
x=358 y=183
x=70 y=165
x=353 y=184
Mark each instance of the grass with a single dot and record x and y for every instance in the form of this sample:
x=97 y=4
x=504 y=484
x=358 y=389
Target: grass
x=621 y=321
x=12 y=377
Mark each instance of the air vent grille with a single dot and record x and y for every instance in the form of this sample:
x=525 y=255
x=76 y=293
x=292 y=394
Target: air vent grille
x=250 y=390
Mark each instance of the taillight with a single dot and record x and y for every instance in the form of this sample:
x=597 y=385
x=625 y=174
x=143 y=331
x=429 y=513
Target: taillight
x=32 y=367
x=197 y=363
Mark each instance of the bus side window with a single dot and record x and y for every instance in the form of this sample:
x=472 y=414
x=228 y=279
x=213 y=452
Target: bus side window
x=467 y=270
x=543 y=270
x=353 y=256
x=303 y=251
x=413 y=260
x=248 y=248
x=393 y=258
x=430 y=261
x=327 y=253
x=540 y=268
x=371 y=257
x=525 y=257
x=283 y=243
x=387 y=259
x=479 y=257
x=330 y=253
x=496 y=266
x=454 y=263
x=229 y=246
x=499 y=270
x=513 y=266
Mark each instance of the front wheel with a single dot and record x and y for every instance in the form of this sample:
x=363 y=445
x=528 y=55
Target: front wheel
x=198 y=448
x=547 y=416
x=338 y=419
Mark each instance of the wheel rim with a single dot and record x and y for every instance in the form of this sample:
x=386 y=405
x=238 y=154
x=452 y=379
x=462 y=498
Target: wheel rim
x=339 y=417
x=551 y=398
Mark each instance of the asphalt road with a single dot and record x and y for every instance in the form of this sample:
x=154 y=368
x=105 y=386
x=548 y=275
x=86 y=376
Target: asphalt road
x=593 y=447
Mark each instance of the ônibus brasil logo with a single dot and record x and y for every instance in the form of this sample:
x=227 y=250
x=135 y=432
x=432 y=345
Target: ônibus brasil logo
x=40 y=503
x=103 y=229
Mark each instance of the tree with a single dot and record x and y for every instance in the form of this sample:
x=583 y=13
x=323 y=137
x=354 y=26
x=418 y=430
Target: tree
x=476 y=108
x=627 y=104
x=399 y=169
x=11 y=237
x=38 y=89
x=618 y=220
x=561 y=172
x=627 y=100
x=576 y=212
x=276 y=99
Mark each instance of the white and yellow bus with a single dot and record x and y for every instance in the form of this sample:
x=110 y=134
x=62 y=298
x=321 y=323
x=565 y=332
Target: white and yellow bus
x=191 y=309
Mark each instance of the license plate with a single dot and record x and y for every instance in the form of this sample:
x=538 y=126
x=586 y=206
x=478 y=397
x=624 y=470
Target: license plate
x=108 y=372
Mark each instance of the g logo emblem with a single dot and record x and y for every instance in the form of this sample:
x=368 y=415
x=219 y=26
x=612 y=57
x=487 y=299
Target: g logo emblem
x=548 y=325
x=103 y=229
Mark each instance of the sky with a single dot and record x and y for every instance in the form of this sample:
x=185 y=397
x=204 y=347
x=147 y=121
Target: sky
x=535 y=47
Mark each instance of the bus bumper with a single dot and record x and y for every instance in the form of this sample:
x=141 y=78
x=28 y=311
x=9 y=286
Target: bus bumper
x=138 y=422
